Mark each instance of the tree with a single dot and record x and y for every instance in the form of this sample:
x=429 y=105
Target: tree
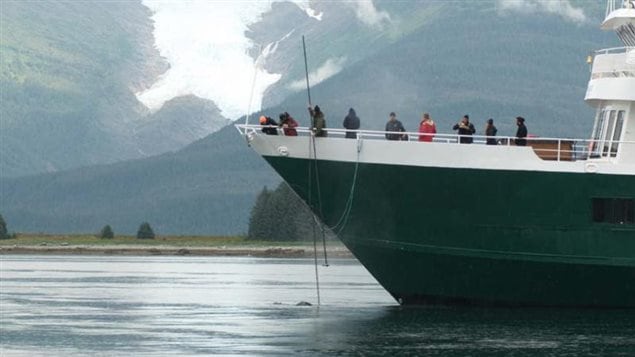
x=4 y=234
x=145 y=231
x=106 y=232
x=280 y=215
x=258 y=227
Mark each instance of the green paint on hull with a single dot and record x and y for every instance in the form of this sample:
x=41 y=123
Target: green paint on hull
x=477 y=236
x=415 y=276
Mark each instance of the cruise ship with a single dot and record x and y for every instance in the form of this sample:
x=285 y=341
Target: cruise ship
x=551 y=223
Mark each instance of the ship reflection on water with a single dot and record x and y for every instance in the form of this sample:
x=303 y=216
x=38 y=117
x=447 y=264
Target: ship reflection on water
x=491 y=331
x=77 y=305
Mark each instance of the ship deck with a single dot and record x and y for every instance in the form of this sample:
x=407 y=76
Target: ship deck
x=544 y=148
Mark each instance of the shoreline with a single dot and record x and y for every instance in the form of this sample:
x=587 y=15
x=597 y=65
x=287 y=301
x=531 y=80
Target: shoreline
x=168 y=250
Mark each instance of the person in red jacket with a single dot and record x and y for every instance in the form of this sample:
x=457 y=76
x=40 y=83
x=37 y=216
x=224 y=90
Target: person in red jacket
x=427 y=127
x=288 y=124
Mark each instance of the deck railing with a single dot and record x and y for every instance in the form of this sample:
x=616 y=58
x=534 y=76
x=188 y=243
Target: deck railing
x=552 y=149
x=614 y=50
x=614 y=62
x=612 y=5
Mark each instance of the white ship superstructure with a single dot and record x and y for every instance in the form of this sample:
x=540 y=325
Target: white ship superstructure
x=612 y=88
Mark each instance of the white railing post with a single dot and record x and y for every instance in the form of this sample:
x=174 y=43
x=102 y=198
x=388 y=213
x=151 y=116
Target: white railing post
x=559 y=148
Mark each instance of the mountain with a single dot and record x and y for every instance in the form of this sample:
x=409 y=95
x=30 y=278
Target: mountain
x=449 y=60
x=206 y=188
x=472 y=59
x=177 y=123
x=69 y=74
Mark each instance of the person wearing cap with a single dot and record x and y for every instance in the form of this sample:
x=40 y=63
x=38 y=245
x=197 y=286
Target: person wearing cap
x=269 y=125
x=428 y=128
x=465 y=130
x=490 y=132
x=395 y=125
x=521 y=133
x=351 y=122
x=318 y=123
x=288 y=124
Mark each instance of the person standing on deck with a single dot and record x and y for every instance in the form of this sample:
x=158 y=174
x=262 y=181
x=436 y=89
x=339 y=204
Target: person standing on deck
x=466 y=130
x=521 y=133
x=269 y=125
x=351 y=122
x=428 y=128
x=318 y=123
x=490 y=132
x=288 y=124
x=395 y=125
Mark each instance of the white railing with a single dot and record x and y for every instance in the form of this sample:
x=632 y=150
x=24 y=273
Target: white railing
x=614 y=63
x=622 y=49
x=612 y=5
x=552 y=149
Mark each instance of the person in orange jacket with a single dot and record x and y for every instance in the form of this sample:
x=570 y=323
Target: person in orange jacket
x=269 y=125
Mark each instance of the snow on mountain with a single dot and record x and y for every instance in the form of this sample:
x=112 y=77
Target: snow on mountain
x=207 y=46
x=207 y=49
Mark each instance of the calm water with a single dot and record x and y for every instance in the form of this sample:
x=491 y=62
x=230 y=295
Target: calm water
x=78 y=305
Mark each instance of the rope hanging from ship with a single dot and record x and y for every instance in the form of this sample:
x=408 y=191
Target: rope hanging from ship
x=343 y=219
x=319 y=199
x=312 y=139
x=348 y=206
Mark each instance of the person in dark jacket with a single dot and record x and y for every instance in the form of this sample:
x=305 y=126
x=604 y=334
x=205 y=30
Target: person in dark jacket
x=466 y=130
x=521 y=133
x=395 y=125
x=318 y=123
x=351 y=122
x=269 y=125
x=288 y=124
x=490 y=132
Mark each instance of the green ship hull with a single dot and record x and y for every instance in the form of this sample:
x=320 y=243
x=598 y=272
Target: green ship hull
x=470 y=236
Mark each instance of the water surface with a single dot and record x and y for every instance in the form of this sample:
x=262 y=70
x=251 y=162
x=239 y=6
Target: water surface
x=99 y=305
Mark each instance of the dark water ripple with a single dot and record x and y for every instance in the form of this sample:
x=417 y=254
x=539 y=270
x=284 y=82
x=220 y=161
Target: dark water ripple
x=246 y=306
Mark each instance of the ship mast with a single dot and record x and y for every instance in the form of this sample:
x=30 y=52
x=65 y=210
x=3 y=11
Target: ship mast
x=621 y=20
